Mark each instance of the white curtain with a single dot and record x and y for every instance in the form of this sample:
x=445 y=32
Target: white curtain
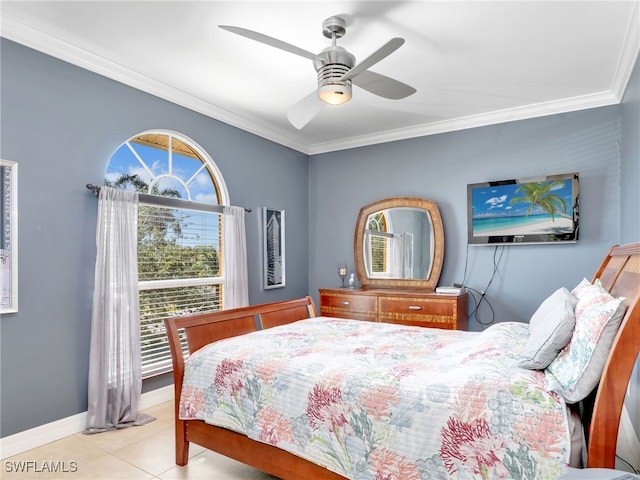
x=236 y=290
x=115 y=378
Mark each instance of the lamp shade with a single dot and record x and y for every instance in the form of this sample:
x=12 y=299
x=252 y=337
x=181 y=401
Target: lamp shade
x=334 y=93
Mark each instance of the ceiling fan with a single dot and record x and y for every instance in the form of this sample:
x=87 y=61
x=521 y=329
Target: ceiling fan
x=336 y=71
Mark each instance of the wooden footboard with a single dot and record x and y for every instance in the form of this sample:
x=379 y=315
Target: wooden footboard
x=262 y=456
x=200 y=330
x=619 y=273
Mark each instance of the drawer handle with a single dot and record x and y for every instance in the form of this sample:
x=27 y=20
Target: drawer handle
x=346 y=303
x=415 y=307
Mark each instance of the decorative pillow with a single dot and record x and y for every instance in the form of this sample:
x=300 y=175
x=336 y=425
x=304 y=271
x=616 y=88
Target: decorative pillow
x=581 y=287
x=577 y=369
x=550 y=329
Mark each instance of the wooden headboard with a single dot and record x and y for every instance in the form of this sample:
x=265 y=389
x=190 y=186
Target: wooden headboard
x=619 y=273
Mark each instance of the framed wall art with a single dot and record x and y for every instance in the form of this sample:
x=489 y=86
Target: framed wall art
x=8 y=237
x=273 y=248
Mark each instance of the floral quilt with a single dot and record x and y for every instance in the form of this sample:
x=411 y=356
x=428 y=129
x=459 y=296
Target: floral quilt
x=377 y=401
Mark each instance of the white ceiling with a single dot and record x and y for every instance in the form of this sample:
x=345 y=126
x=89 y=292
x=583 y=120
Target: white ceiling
x=473 y=63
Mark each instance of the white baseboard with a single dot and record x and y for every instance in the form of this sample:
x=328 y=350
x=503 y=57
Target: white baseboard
x=50 y=432
x=156 y=397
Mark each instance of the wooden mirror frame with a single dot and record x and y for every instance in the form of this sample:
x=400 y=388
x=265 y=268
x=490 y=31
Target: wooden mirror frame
x=431 y=207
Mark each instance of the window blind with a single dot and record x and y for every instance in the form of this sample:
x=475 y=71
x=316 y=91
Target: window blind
x=379 y=248
x=179 y=272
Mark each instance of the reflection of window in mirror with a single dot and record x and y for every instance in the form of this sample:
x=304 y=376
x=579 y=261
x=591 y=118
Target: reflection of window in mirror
x=377 y=227
x=390 y=247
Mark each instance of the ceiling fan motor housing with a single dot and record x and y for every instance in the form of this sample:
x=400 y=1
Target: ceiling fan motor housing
x=332 y=64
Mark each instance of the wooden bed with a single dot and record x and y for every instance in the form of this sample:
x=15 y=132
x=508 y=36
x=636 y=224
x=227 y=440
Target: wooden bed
x=619 y=273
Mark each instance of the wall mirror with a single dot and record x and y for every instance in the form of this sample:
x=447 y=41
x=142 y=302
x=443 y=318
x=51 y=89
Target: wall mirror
x=399 y=243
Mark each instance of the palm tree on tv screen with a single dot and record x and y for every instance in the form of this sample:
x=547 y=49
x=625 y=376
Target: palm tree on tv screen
x=538 y=194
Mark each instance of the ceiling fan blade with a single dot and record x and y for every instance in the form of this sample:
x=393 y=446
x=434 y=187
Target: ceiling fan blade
x=273 y=42
x=383 y=52
x=383 y=86
x=304 y=110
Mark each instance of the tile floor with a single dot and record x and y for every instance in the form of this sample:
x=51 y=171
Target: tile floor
x=144 y=453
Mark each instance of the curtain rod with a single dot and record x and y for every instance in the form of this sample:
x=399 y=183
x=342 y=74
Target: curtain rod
x=171 y=201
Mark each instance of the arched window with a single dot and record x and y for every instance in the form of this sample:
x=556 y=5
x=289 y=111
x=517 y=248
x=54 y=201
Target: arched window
x=377 y=228
x=180 y=268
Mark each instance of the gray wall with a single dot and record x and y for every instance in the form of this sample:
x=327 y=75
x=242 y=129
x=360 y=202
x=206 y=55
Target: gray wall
x=61 y=124
x=630 y=152
x=439 y=167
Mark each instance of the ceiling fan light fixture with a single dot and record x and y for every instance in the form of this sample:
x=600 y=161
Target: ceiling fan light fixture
x=335 y=93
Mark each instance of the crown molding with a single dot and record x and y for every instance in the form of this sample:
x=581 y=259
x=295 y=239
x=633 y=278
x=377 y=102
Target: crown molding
x=630 y=54
x=480 y=120
x=19 y=32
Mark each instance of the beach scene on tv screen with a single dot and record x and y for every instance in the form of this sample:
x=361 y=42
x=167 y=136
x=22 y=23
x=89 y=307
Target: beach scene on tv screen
x=530 y=208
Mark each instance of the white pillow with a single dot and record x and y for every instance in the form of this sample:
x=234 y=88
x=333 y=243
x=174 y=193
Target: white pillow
x=582 y=287
x=550 y=329
x=577 y=369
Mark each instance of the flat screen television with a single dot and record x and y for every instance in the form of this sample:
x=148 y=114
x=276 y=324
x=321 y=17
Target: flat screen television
x=524 y=211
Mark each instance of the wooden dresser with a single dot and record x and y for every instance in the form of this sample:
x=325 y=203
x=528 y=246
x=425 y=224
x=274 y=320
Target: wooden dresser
x=407 y=307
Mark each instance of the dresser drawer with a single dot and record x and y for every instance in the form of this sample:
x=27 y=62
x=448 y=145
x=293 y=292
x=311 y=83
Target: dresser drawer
x=416 y=306
x=425 y=312
x=348 y=305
